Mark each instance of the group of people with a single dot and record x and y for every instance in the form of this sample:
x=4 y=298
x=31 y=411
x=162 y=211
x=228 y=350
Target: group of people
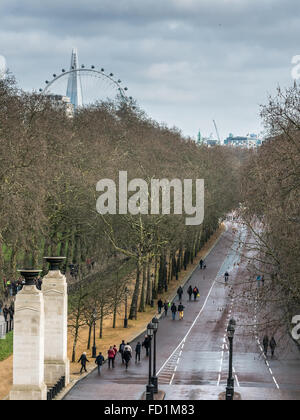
x=13 y=287
x=269 y=343
x=8 y=312
x=125 y=351
x=180 y=308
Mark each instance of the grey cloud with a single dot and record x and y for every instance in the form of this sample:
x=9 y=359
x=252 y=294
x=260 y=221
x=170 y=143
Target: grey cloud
x=186 y=61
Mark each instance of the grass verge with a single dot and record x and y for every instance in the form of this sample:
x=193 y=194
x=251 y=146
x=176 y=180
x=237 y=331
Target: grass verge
x=6 y=346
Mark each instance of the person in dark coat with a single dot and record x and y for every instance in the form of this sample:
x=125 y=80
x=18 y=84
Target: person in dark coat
x=99 y=362
x=273 y=346
x=146 y=343
x=127 y=357
x=5 y=313
x=266 y=344
x=173 y=310
x=166 y=308
x=121 y=350
x=160 y=305
x=181 y=311
x=138 y=349
x=190 y=292
x=201 y=264
x=226 y=277
x=180 y=292
x=195 y=292
x=83 y=359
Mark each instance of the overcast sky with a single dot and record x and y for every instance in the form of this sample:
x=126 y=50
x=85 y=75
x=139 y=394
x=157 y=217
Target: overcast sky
x=186 y=62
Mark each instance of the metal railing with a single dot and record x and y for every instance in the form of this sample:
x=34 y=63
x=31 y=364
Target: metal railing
x=56 y=389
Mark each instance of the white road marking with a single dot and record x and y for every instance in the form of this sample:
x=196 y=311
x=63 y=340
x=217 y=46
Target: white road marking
x=189 y=331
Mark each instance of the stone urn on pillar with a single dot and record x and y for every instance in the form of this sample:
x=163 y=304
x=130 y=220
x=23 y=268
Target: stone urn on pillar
x=54 y=289
x=28 y=353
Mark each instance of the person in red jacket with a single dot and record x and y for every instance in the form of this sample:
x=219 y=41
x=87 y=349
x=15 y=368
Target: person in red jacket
x=111 y=357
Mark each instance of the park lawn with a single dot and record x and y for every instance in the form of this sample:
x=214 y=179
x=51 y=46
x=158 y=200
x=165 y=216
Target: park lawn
x=6 y=346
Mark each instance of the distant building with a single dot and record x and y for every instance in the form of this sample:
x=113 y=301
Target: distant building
x=62 y=102
x=208 y=141
x=251 y=141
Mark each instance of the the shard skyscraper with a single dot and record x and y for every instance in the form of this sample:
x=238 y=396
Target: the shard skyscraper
x=74 y=89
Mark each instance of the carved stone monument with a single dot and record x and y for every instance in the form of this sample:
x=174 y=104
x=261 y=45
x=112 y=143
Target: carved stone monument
x=55 y=294
x=28 y=354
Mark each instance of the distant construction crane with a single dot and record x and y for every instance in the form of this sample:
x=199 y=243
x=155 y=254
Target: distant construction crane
x=217 y=131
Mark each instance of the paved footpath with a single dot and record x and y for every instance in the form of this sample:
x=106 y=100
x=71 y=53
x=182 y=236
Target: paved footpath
x=192 y=354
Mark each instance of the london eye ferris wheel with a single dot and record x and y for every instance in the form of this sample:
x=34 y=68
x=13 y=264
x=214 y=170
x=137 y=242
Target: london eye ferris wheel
x=84 y=86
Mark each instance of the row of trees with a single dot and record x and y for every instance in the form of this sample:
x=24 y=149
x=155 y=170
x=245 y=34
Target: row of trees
x=49 y=167
x=271 y=195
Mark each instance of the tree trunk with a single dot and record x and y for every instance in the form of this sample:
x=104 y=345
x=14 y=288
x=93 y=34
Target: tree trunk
x=101 y=322
x=144 y=286
x=115 y=314
x=135 y=297
x=149 y=285
x=13 y=259
x=89 y=339
x=74 y=345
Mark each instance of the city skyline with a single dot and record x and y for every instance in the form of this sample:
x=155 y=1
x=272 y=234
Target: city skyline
x=185 y=63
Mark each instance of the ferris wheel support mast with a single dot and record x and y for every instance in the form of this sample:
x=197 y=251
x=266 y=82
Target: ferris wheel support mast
x=217 y=131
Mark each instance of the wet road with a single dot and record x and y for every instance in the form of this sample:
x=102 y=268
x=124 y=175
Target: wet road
x=192 y=354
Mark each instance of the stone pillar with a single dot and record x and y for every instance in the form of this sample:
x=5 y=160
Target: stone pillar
x=55 y=294
x=2 y=327
x=28 y=354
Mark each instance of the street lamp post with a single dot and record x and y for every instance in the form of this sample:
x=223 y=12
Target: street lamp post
x=150 y=387
x=94 y=349
x=126 y=303
x=230 y=380
x=154 y=378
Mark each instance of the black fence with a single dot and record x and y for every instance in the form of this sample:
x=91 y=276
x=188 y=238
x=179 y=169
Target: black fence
x=56 y=389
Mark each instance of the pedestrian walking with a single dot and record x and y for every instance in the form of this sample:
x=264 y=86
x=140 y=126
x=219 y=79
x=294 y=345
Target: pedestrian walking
x=263 y=281
x=190 y=292
x=115 y=349
x=181 y=311
x=226 y=276
x=266 y=345
x=138 y=349
x=180 y=293
x=111 y=357
x=201 y=264
x=195 y=292
x=121 y=350
x=99 y=362
x=146 y=344
x=83 y=359
x=166 y=308
x=258 y=280
x=128 y=348
x=173 y=310
x=273 y=346
x=127 y=357
x=160 y=305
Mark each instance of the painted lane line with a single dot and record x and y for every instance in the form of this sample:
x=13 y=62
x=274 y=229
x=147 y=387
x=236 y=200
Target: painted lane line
x=278 y=387
x=192 y=326
x=172 y=379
